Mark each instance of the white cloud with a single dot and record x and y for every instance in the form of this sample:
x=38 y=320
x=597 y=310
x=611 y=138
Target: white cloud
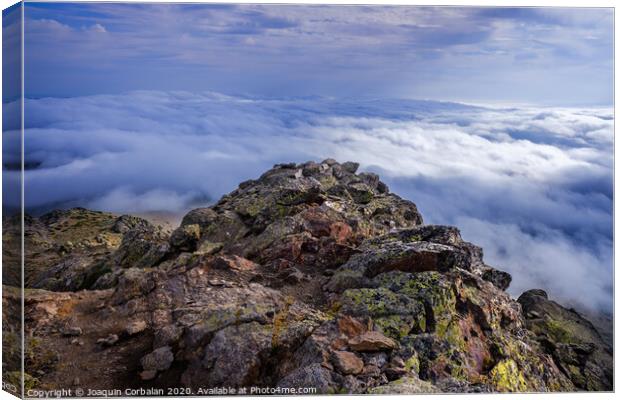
x=533 y=185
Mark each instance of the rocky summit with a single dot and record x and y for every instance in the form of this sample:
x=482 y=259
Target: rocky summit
x=311 y=275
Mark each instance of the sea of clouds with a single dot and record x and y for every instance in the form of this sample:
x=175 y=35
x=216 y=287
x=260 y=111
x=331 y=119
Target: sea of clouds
x=532 y=185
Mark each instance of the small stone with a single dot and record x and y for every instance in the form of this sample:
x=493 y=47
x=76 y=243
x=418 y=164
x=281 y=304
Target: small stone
x=372 y=341
x=159 y=360
x=347 y=362
x=108 y=341
x=72 y=331
x=395 y=369
x=148 y=375
x=394 y=373
x=75 y=341
x=234 y=263
x=135 y=327
x=397 y=362
x=209 y=248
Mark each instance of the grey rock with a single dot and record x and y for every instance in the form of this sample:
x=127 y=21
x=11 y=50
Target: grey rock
x=158 y=360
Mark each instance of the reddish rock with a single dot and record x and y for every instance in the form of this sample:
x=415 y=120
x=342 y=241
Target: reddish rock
x=148 y=375
x=347 y=362
x=341 y=232
x=234 y=262
x=350 y=326
x=372 y=341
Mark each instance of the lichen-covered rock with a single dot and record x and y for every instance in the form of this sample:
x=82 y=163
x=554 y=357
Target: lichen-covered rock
x=311 y=275
x=408 y=385
x=308 y=213
x=185 y=237
x=142 y=247
x=572 y=341
x=63 y=247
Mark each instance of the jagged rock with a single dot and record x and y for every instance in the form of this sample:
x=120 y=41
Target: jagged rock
x=350 y=327
x=313 y=375
x=499 y=278
x=311 y=275
x=125 y=223
x=159 y=359
x=572 y=341
x=350 y=167
x=135 y=327
x=347 y=362
x=234 y=263
x=142 y=247
x=185 y=237
x=236 y=368
x=134 y=282
x=372 y=341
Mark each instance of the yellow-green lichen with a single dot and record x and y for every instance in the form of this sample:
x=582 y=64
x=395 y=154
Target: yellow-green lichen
x=412 y=364
x=558 y=332
x=506 y=377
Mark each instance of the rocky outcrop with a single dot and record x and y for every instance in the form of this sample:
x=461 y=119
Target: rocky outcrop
x=312 y=275
x=69 y=250
x=573 y=342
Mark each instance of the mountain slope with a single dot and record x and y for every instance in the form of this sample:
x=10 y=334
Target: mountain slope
x=310 y=276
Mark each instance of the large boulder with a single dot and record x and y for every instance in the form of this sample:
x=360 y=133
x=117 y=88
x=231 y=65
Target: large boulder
x=572 y=341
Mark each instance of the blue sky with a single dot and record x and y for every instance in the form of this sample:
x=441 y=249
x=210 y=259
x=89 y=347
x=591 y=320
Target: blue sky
x=553 y=56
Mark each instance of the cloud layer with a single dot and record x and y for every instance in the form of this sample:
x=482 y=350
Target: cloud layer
x=533 y=186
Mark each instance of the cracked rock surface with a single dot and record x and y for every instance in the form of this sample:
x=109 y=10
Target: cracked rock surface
x=311 y=275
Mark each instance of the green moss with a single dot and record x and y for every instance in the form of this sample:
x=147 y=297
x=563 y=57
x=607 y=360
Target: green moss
x=362 y=196
x=450 y=331
x=368 y=301
x=11 y=345
x=252 y=206
x=394 y=326
x=208 y=247
x=412 y=364
x=15 y=379
x=379 y=302
x=558 y=332
x=38 y=356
